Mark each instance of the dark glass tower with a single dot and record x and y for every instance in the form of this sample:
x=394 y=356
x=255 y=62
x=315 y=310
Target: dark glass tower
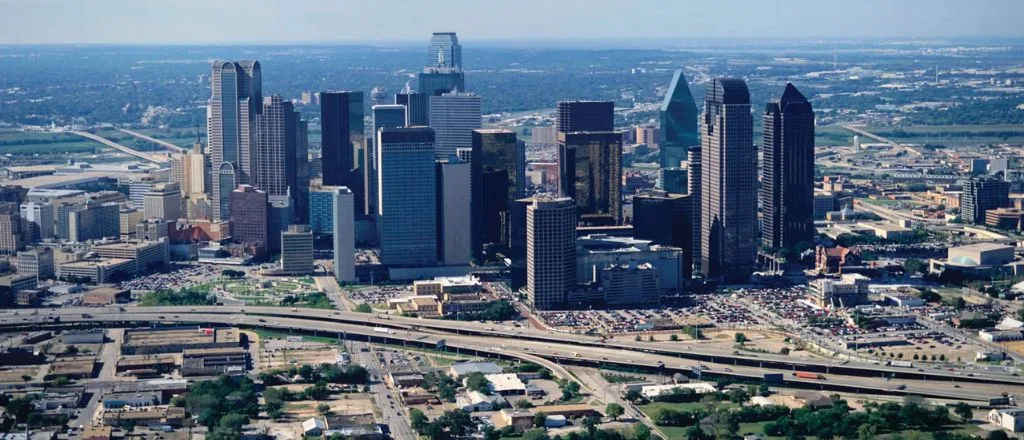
x=344 y=143
x=590 y=160
x=494 y=164
x=679 y=133
x=585 y=116
x=415 y=107
x=728 y=182
x=667 y=219
x=980 y=195
x=787 y=180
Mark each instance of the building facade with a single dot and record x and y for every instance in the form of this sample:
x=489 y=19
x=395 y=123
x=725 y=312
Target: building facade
x=787 y=172
x=407 y=196
x=728 y=182
x=454 y=213
x=344 y=234
x=550 y=252
x=980 y=195
x=236 y=97
x=454 y=116
x=297 y=250
x=249 y=216
x=343 y=143
x=679 y=134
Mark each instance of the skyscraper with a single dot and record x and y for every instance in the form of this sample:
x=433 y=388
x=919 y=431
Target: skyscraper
x=276 y=168
x=454 y=216
x=415 y=107
x=344 y=235
x=550 y=251
x=389 y=116
x=442 y=72
x=94 y=220
x=495 y=166
x=980 y=195
x=678 y=133
x=407 y=199
x=344 y=143
x=454 y=116
x=163 y=201
x=729 y=182
x=280 y=215
x=236 y=97
x=667 y=219
x=787 y=172
x=321 y=207
x=590 y=160
x=40 y=219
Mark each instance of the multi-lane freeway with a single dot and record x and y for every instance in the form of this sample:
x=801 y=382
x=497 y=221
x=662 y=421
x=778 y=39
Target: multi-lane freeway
x=549 y=348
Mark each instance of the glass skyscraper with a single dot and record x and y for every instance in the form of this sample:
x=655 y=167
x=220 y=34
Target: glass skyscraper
x=343 y=143
x=236 y=98
x=407 y=198
x=787 y=172
x=679 y=132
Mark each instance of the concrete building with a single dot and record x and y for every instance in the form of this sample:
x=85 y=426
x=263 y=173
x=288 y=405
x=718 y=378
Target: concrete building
x=407 y=205
x=93 y=221
x=981 y=254
x=728 y=183
x=667 y=219
x=630 y=284
x=453 y=116
x=598 y=251
x=550 y=251
x=1002 y=218
x=97 y=271
x=40 y=219
x=280 y=214
x=151 y=229
x=249 y=216
x=1009 y=419
x=454 y=212
x=163 y=201
x=297 y=250
x=37 y=261
x=13 y=234
x=344 y=235
x=848 y=291
x=147 y=255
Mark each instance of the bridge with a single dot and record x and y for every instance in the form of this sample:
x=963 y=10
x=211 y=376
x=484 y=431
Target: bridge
x=173 y=148
x=551 y=350
x=155 y=158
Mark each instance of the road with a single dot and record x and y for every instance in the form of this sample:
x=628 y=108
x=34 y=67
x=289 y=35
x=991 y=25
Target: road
x=165 y=144
x=387 y=400
x=557 y=350
x=329 y=286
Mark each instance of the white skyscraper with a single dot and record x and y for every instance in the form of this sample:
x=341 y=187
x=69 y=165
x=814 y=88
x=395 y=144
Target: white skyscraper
x=454 y=116
x=550 y=251
x=344 y=235
x=40 y=215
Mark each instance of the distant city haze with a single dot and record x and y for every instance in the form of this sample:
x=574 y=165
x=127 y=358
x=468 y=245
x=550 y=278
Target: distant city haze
x=621 y=22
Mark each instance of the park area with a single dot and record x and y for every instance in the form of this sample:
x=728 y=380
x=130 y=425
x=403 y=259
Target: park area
x=278 y=292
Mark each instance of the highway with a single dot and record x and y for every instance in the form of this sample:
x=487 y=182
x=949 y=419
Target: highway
x=552 y=353
x=173 y=148
x=155 y=158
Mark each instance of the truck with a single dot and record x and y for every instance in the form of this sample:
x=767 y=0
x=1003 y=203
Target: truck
x=774 y=377
x=382 y=330
x=903 y=364
x=807 y=375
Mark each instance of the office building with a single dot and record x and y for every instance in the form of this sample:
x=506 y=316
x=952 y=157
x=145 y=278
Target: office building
x=415 y=104
x=163 y=201
x=145 y=256
x=93 y=221
x=454 y=224
x=980 y=195
x=453 y=116
x=343 y=143
x=138 y=186
x=550 y=251
x=344 y=235
x=236 y=98
x=407 y=198
x=13 y=233
x=276 y=154
x=151 y=229
x=442 y=72
x=590 y=172
x=728 y=182
x=574 y=116
x=679 y=134
x=300 y=193
x=383 y=116
x=280 y=214
x=787 y=172
x=648 y=135
x=249 y=216
x=37 y=261
x=39 y=218
x=667 y=219
x=495 y=167
x=321 y=208
x=297 y=250
x=595 y=252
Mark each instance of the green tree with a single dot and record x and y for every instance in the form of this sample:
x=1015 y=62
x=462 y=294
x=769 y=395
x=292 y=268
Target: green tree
x=570 y=389
x=740 y=338
x=418 y=421
x=478 y=382
x=364 y=308
x=539 y=419
x=614 y=410
x=323 y=409
x=963 y=411
x=641 y=432
x=673 y=337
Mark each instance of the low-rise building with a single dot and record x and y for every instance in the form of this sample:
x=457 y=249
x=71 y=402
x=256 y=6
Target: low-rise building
x=506 y=384
x=650 y=392
x=214 y=361
x=847 y=291
x=1009 y=419
x=133 y=400
x=462 y=369
x=887 y=230
x=104 y=296
x=164 y=415
x=475 y=401
x=97 y=271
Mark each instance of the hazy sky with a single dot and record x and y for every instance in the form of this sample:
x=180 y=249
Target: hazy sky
x=257 y=21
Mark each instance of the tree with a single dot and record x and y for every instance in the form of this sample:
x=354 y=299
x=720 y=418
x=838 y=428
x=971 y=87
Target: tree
x=71 y=350
x=963 y=411
x=364 y=308
x=998 y=434
x=740 y=338
x=539 y=419
x=633 y=395
x=641 y=432
x=536 y=434
x=418 y=420
x=912 y=266
x=570 y=389
x=523 y=404
x=763 y=390
x=478 y=382
x=323 y=409
x=673 y=338
x=614 y=410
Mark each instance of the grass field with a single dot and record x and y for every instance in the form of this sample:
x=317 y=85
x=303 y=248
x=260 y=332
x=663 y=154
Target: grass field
x=30 y=143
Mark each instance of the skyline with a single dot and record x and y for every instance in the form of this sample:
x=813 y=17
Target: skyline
x=324 y=22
